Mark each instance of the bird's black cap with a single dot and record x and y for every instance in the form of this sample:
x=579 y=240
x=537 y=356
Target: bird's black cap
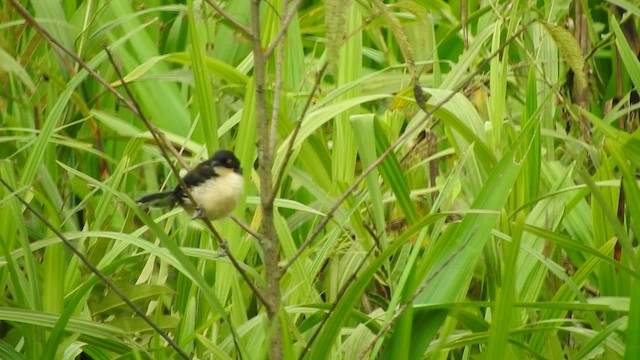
x=225 y=158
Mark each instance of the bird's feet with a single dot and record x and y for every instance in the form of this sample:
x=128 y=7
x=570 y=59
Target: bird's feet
x=198 y=214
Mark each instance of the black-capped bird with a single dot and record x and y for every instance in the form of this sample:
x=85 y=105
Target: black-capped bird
x=215 y=184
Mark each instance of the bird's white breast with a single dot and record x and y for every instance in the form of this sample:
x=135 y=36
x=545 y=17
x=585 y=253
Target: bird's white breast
x=218 y=196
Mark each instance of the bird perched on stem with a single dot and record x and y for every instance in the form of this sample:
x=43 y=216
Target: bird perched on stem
x=215 y=184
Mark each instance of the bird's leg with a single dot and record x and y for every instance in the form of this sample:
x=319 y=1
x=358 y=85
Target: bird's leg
x=198 y=214
x=223 y=250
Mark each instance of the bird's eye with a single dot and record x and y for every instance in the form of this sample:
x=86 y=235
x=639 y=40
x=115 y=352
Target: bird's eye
x=228 y=161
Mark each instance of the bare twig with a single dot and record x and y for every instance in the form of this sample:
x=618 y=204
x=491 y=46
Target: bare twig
x=158 y=136
x=98 y=273
x=409 y=132
x=277 y=91
x=284 y=25
x=246 y=227
x=289 y=152
x=236 y=264
x=307 y=106
x=239 y=26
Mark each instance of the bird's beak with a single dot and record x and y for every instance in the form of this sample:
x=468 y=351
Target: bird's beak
x=238 y=171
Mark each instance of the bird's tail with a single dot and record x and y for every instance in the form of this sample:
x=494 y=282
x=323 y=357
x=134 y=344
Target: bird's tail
x=163 y=199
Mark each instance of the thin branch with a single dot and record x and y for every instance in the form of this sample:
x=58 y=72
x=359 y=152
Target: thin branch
x=409 y=132
x=277 y=91
x=97 y=272
x=283 y=27
x=239 y=26
x=236 y=264
x=289 y=152
x=307 y=106
x=246 y=227
x=132 y=104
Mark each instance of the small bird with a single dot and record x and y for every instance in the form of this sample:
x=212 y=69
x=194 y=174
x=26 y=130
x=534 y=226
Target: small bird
x=215 y=184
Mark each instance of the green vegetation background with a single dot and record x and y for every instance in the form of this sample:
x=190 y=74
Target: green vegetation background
x=503 y=224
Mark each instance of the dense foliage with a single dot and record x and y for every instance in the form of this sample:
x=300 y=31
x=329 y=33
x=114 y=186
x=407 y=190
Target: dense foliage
x=454 y=179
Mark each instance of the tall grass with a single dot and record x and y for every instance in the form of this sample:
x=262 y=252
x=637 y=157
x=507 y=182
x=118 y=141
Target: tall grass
x=496 y=217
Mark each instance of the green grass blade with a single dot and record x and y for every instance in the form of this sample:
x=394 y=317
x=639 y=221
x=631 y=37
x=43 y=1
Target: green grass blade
x=567 y=293
x=394 y=177
x=503 y=316
x=363 y=125
x=345 y=304
x=208 y=118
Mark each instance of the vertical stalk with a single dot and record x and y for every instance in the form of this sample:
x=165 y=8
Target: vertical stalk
x=269 y=241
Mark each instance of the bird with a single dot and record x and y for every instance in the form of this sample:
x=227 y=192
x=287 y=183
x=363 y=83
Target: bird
x=215 y=184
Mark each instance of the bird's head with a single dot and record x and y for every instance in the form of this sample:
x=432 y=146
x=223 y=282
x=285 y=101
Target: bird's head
x=227 y=159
